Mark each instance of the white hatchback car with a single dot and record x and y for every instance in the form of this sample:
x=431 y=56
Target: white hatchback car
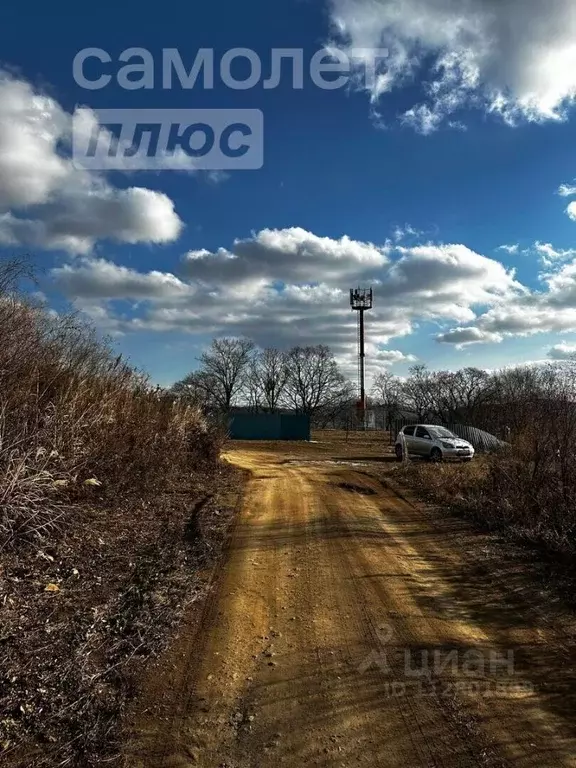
x=432 y=442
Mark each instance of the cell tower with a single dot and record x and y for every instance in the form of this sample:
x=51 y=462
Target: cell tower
x=360 y=301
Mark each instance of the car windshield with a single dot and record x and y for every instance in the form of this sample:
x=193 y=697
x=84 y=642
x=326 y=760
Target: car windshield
x=441 y=432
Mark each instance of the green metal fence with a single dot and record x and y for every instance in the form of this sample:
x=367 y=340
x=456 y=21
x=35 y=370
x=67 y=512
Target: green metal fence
x=269 y=426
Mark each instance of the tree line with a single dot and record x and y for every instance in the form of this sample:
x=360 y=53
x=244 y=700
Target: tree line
x=497 y=401
x=233 y=373
x=446 y=396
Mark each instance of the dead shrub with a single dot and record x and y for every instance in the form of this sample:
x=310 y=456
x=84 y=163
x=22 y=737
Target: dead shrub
x=100 y=546
x=530 y=488
x=76 y=421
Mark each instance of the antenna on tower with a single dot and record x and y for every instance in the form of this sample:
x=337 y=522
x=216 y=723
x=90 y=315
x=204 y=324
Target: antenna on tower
x=361 y=299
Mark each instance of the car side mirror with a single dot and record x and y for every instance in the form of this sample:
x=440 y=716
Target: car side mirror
x=427 y=437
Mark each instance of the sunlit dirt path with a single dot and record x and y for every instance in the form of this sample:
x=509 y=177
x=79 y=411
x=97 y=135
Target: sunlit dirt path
x=347 y=629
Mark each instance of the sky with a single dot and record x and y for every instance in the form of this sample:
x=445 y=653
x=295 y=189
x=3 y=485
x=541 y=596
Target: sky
x=441 y=172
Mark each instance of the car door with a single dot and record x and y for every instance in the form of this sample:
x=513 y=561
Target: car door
x=409 y=436
x=422 y=442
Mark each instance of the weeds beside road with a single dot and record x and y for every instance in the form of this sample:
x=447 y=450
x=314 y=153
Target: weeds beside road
x=500 y=492
x=529 y=490
x=114 y=507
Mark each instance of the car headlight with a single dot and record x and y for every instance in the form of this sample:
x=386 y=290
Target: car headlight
x=448 y=445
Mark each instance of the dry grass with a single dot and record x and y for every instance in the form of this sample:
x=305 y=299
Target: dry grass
x=329 y=443
x=74 y=417
x=529 y=490
x=111 y=500
x=70 y=659
x=503 y=494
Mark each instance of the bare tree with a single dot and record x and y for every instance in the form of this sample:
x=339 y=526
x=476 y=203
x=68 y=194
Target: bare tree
x=387 y=391
x=418 y=391
x=314 y=385
x=196 y=389
x=224 y=367
x=459 y=395
x=267 y=380
x=251 y=392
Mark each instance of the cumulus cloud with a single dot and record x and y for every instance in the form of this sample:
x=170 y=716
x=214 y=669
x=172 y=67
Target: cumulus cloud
x=550 y=255
x=426 y=281
x=453 y=270
x=45 y=202
x=571 y=210
x=547 y=254
x=291 y=286
x=74 y=222
x=551 y=310
x=563 y=351
x=87 y=129
x=462 y=337
x=100 y=279
x=516 y=58
x=288 y=255
x=388 y=357
x=567 y=190
x=535 y=315
x=377 y=358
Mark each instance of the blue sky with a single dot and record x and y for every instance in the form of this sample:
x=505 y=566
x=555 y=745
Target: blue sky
x=473 y=138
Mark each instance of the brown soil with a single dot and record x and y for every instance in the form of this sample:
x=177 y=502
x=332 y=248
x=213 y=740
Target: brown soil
x=352 y=627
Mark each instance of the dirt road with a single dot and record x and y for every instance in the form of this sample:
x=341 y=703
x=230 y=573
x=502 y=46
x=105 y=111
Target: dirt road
x=349 y=628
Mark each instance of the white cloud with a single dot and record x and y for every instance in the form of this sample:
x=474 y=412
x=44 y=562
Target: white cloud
x=47 y=203
x=288 y=255
x=446 y=281
x=423 y=119
x=86 y=128
x=74 y=222
x=563 y=351
x=571 y=210
x=550 y=255
x=551 y=310
x=462 y=337
x=516 y=58
x=97 y=278
x=511 y=249
x=388 y=357
x=285 y=287
x=377 y=358
x=562 y=285
x=217 y=177
x=405 y=232
x=566 y=190
x=536 y=315
x=282 y=287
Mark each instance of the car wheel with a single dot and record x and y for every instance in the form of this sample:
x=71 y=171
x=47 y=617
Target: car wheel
x=398 y=452
x=436 y=454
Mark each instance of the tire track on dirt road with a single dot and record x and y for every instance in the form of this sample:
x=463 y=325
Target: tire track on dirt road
x=316 y=650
